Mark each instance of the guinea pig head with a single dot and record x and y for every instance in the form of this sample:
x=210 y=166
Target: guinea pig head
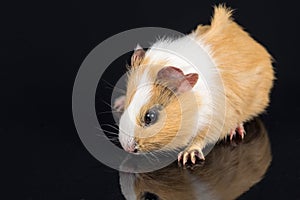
x=160 y=109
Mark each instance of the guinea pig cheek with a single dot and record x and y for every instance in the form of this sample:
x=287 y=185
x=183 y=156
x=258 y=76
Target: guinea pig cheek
x=159 y=136
x=146 y=136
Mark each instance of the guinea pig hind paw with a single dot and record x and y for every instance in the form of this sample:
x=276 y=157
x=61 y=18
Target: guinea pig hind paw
x=240 y=130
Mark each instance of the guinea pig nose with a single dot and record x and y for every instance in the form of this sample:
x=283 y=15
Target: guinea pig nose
x=132 y=147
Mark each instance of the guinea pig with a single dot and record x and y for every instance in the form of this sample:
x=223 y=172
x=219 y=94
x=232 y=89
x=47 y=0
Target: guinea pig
x=226 y=173
x=168 y=105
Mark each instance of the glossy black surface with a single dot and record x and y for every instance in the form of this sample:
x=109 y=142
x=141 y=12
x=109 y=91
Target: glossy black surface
x=42 y=47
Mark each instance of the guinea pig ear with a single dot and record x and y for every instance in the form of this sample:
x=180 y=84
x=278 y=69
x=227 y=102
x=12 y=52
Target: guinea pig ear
x=137 y=56
x=176 y=80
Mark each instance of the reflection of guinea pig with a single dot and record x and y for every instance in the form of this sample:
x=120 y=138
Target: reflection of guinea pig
x=227 y=172
x=165 y=93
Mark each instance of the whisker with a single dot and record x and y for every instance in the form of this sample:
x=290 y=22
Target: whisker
x=117 y=90
x=153 y=155
x=110 y=139
x=107 y=104
x=111 y=126
x=147 y=157
x=106 y=112
x=113 y=86
x=113 y=133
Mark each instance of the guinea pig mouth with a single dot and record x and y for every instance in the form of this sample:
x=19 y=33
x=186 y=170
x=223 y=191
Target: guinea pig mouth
x=135 y=150
x=150 y=147
x=131 y=147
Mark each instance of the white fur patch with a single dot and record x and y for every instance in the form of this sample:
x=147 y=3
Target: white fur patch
x=126 y=130
x=128 y=119
x=140 y=98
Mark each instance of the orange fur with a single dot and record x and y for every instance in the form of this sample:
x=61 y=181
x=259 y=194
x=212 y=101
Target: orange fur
x=245 y=67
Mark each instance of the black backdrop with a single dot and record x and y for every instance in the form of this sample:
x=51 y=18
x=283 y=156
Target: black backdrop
x=42 y=47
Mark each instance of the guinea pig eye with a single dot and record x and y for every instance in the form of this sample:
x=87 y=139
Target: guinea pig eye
x=150 y=196
x=151 y=116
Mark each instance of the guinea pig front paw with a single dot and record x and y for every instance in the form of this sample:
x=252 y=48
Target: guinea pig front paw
x=240 y=130
x=192 y=154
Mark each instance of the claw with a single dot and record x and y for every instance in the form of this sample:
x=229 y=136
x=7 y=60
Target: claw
x=185 y=158
x=196 y=154
x=240 y=130
x=232 y=133
x=193 y=157
x=179 y=157
x=200 y=155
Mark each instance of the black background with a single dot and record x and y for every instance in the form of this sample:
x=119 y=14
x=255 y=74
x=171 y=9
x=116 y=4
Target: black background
x=42 y=47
